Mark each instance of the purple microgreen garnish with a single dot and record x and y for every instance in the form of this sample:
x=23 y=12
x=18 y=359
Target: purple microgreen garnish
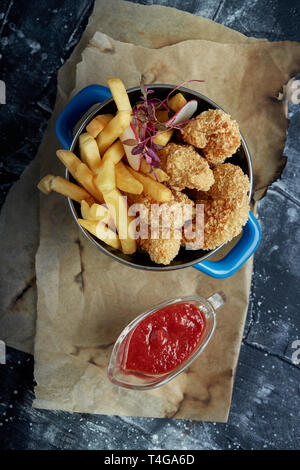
x=152 y=154
x=148 y=125
x=137 y=149
x=179 y=86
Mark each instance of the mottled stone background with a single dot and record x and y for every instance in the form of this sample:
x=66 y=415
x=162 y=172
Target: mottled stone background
x=35 y=39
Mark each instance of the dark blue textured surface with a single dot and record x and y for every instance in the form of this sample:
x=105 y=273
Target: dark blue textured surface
x=36 y=38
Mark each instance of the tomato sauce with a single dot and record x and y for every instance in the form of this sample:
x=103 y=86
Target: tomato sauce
x=165 y=339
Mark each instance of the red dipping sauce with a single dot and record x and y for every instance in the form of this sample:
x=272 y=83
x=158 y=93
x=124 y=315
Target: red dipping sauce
x=165 y=339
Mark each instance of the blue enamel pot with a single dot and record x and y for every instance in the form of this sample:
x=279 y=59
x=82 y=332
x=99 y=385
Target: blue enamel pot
x=78 y=112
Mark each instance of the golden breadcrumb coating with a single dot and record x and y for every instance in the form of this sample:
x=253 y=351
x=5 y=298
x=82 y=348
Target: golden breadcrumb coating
x=177 y=197
x=194 y=133
x=162 y=250
x=226 y=206
x=216 y=133
x=163 y=246
x=138 y=199
x=223 y=220
x=231 y=183
x=185 y=167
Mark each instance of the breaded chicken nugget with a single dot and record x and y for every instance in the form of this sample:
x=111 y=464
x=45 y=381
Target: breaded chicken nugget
x=223 y=220
x=162 y=250
x=215 y=133
x=162 y=246
x=182 y=198
x=177 y=197
x=226 y=206
x=185 y=167
x=231 y=183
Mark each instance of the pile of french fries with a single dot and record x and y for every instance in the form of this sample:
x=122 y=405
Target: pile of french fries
x=102 y=174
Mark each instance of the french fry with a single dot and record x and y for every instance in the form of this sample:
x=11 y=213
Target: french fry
x=88 y=180
x=113 y=130
x=106 y=178
x=102 y=232
x=85 y=210
x=69 y=159
x=89 y=151
x=126 y=182
x=98 y=123
x=80 y=172
x=158 y=191
x=162 y=138
x=98 y=212
x=62 y=186
x=115 y=152
x=46 y=184
x=177 y=102
x=118 y=207
x=160 y=174
x=119 y=94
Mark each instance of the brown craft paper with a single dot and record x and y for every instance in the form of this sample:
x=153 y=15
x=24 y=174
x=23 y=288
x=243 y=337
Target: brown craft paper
x=85 y=298
x=123 y=21
x=152 y=26
x=242 y=78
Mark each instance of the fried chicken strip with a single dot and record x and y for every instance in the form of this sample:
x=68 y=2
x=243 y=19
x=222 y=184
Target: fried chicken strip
x=223 y=221
x=226 y=206
x=162 y=250
x=185 y=167
x=216 y=133
x=231 y=183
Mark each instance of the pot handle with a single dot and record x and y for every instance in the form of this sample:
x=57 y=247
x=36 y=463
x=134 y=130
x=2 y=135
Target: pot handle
x=239 y=254
x=75 y=109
